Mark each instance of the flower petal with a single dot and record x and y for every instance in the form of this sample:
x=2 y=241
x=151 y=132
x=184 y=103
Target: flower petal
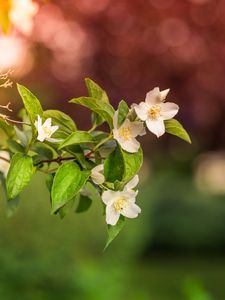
x=97 y=177
x=168 y=110
x=109 y=196
x=156 y=126
x=137 y=128
x=48 y=123
x=141 y=111
x=54 y=128
x=54 y=140
x=98 y=168
x=153 y=97
x=163 y=95
x=131 y=145
x=112 y=216
x=131 y=210
x=132 y=183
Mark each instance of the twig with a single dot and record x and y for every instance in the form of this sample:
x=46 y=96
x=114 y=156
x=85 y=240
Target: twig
x=57 y=160
x=5 y=159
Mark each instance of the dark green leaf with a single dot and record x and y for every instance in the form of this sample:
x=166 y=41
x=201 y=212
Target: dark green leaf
x=84 y=204
x=61 y=119
x=174 y=127
x=121 y=165
x=113 y=231
x=12 y=206
x=105 y=110
x=68 y=181
x=114 y=167
x=7 y=128
x=15 y=147
x=19 y=175
x=132 y=162
x=123 y=110
x=77 y=137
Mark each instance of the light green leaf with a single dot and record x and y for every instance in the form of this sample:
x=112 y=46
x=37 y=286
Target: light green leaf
x=123 y=110
x=113 y=231
x=95 y=91
x=68 y=181
x=61 y=119
x=174 y=127
x=84 y=204
x=31 y=104
x=105 y=110
x=77 y=137
x=121 y=165
x=19 y=175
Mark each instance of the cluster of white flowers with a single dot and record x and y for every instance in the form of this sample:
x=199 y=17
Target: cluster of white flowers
x=153 y=112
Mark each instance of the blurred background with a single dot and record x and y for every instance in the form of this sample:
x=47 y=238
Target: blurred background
x=176 y=248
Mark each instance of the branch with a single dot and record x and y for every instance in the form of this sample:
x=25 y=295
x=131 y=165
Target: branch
x=7 y=119
x=57 y=160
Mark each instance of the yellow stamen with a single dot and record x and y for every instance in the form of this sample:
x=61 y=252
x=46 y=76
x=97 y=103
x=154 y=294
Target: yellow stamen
x=154 y=112
x=125 y=133
x=120 y=203
x=47 y=131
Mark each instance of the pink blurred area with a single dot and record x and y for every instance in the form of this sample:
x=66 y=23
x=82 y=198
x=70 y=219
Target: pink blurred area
x=128 y=47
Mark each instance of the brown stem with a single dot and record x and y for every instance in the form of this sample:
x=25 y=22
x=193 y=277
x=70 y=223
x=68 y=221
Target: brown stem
x=57 y=160
x=17 y=122
x=5 y=159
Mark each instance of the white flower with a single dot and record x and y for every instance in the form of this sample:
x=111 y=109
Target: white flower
x=97 y=174
x=121 y=202
x=4 y=164
x=46 y=130
x=126 y=134
x=22 y=13
x=154 y=110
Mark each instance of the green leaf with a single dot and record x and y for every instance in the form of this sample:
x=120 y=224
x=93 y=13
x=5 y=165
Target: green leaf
x=123 y=110
x=77 y=137
x=113 y=231
x=133 y=163
x=114 y=167
x=84 y=204
x=68 y=181
x=174 y=127
x=105 y=110
x=7 y=128
x=95 y=91
x=23 y=136
x=121 y=165
x=31 y=104
x=19 y=175
x=43 y=150
x=12 y=206
x=61 y=119
x=15 y=147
